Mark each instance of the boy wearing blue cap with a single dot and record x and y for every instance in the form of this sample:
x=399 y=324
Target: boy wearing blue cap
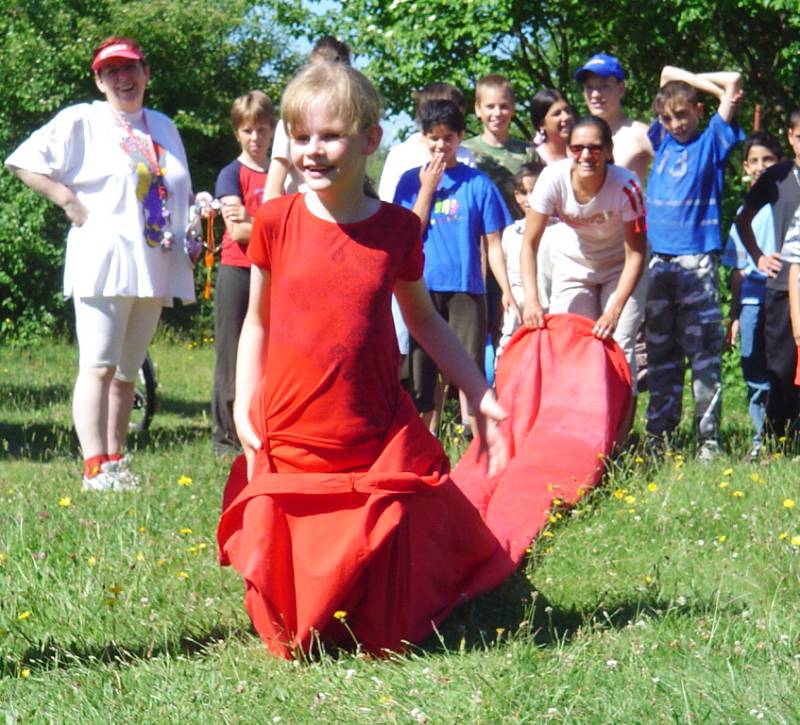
x=683 y=317
x=603 y=80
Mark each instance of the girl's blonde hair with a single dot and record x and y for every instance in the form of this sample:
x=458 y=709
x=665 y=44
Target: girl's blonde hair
x=346 y=94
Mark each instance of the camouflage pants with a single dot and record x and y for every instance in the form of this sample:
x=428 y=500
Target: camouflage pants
x=683 y=320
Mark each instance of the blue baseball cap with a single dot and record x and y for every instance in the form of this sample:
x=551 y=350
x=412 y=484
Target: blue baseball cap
x=602 y=65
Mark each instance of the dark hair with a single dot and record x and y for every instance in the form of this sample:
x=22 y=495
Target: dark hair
x=767 y=140
x=530 y=168
x=438 y=92
x=674 y=91
x=599 y=124
x=331 y=50
x=441 y=113
x=794 y=118
x=540 y=105
x=496 y=81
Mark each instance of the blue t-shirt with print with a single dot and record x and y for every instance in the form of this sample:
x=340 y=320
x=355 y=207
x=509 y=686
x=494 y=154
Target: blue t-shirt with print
x=466 y=205
x=754 y=284
x=685 y=188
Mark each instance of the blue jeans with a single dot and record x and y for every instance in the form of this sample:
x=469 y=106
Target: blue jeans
x=754 y=365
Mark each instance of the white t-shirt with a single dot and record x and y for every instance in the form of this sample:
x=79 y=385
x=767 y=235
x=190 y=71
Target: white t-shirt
x=280 y=150
x=107 y=256
x=410 y=154
x=599 y=233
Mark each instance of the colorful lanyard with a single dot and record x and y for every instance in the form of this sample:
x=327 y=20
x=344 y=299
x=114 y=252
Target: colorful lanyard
x=148 y=147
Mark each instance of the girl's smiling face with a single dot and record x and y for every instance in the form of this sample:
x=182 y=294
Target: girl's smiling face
x=588 y=151
x=327 y=153
x=558 y=120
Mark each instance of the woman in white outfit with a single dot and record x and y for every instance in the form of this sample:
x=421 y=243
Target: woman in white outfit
x=120 y=174
x=597 y=272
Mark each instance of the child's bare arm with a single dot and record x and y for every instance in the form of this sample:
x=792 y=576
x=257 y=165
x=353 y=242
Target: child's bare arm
x=497 y=263
x=794 y=300
x=237 y=221
x=252 y=351
x=768 y=264
x=276 y=177
x=723 y=85
x=428 y=327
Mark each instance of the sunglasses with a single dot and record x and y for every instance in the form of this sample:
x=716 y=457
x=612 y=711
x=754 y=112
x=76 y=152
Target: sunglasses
x=595 y=149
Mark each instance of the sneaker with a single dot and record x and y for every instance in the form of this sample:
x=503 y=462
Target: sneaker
x=113 y=476
x=755 y=452
x=708 y=451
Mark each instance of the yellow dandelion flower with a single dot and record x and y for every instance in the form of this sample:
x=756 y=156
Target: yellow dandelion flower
x=139 y=556
x=183 y=575
x=185 y=531
x=24 y=673
x=722 y=538
x=556 y=502
x=723 y=484
x=788 y=503
x=631 y=511
x=782 y=439
x=783 y=535
x=652 y=487
x=552 y=519
x=2 y=558
x=27 y=614
x=91 y=561
x=727 y=472
x=755 y=477
x=648 y=579
x=630 y=500
x=795 y=541
x=161 y=562
x=548 y=550
x=547 y=534
x=638 y=460
x=65 y=502
x=619 y=493
x=185 y=481
x=528 y=550
x=340 y=614
x=142 y=529
x=737 y=494
x=201 y=546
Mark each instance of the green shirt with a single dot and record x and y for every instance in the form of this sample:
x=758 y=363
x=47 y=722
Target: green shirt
x=500 y=163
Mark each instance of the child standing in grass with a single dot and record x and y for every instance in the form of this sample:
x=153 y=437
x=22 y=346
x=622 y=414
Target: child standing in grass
x=344 y=512
x=240 y=186
x=749 y=287
x=683 y=316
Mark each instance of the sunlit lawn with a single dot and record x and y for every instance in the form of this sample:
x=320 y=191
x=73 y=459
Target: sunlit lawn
x=672 y=593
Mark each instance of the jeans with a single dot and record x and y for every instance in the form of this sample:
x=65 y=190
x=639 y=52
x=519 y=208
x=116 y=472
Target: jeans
x=754 y=366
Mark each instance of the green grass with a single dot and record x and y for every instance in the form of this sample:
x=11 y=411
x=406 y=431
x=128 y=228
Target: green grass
x=670 y=594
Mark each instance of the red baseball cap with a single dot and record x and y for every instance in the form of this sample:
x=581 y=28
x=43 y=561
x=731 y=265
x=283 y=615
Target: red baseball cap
x=122 y=49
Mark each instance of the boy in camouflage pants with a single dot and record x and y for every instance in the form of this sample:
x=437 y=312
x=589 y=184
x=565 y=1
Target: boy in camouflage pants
x=683 y=317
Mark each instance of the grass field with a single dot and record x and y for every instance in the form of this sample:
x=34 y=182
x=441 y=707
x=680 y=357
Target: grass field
x=670 y=594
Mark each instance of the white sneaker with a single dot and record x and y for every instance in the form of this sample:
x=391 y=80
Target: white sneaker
x=113 y=476
x=709 y=450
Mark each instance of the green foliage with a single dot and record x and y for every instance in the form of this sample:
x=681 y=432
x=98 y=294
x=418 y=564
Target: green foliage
x=202 y=54
x=409 y=43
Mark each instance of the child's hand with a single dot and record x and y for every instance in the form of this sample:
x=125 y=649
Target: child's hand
x=770 y=264
x=532 y=314
x=492 y=440
x=431 y=174
x=75 y=211
x=247 y=437
x=733 y=333
x=234 y=213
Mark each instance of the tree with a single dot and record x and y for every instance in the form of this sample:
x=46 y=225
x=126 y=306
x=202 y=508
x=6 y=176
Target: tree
x=409 y=43
x=202 y=53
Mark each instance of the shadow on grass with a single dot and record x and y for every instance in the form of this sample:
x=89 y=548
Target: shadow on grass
x=48 y=655
x=518 y=611
x=29 y=396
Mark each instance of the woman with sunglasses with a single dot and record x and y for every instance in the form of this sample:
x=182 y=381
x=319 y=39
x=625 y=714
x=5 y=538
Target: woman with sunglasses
x=597 y=272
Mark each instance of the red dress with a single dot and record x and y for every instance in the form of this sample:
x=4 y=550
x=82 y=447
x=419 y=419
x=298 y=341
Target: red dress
x=351 y=507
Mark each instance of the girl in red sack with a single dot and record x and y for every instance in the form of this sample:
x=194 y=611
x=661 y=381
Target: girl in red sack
x=342 y=517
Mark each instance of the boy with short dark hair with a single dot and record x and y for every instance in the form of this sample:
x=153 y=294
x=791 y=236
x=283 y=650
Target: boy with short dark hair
x=778 y=186
x=683 y=316
x=749 y=286
x=457 y=206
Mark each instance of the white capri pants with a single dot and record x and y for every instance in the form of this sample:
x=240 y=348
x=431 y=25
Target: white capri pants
x=585 y=291
x=115 y=332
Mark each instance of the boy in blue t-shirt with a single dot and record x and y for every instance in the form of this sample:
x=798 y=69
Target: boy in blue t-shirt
x=749 y=287
x=683 y=317
x=457 y=206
